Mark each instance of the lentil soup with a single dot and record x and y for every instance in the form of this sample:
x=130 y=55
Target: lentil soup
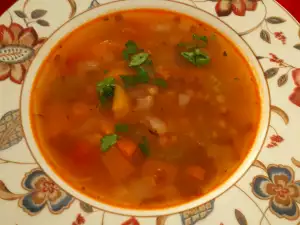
x=145 y=109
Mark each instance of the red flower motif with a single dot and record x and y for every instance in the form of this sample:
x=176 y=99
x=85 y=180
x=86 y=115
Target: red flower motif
x=295 y=96
x=280 y=36
x=79 y=220
x=238 y=7
x=275 y=59
x=15 y=34
x=275 y=140
x=131 y=221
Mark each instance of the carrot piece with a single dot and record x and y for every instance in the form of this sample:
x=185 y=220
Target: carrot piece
x=118 y=167
x=196 y=171
x=127 y=147
x=121 y=105
x=163 y=72
x=83 y=153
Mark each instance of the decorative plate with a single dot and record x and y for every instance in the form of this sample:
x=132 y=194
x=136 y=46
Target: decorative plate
x=268 y=194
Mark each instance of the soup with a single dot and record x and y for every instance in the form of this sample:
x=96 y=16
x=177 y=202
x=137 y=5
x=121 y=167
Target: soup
x=145 y=109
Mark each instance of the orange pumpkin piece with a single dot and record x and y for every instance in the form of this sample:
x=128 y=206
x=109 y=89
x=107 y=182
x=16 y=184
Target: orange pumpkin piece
x=196 y=171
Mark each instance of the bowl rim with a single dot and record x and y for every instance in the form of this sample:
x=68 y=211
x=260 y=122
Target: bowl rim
x=242 y=169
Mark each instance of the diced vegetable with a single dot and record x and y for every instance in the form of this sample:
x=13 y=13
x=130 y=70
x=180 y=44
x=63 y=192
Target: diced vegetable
x=163 y=72
x=196 y=171
x=81 y=151
x=183 y=99
x=127 y=147
x=138 y=59
x=162 y=27
x=152 y=90
x=142 y=188
x=154 y=167
x=108 y=141
x=167 y=139
x=157 y=124
x=93 y=138
x=120 y=127
x=117 y=165
x=144 y=146
x=121 y=103
x=144 y=103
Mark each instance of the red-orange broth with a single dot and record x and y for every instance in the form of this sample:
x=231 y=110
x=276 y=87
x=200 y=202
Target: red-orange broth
x=171 y=141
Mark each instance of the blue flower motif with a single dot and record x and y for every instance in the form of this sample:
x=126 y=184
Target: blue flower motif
x=280 y=189
x=192 y=216
x=43 y=191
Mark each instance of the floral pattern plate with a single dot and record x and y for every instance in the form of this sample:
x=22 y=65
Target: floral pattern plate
x=268 y=194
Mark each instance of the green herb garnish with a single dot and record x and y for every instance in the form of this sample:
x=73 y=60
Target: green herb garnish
x=105 y=89
x=200 y=38
x=144 y=146
x=138 y=59
x=160 y=82
x=188 y=45
x=131 y=48
x=105 y=71
x=129 y=80
x=142 y=75
x=121 y=128
x=148 y=62
x=196 y=57
x=108 y=141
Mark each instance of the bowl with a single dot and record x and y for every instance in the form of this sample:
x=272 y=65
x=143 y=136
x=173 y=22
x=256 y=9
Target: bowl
x=182 y=8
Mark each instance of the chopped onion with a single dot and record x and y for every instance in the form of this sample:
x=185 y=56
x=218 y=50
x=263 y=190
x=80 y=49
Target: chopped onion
x=183 y=99
x=144 y=103
x=158 y=125
x=162 y=27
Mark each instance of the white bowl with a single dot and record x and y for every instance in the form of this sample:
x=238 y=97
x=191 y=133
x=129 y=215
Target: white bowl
x=152 y=4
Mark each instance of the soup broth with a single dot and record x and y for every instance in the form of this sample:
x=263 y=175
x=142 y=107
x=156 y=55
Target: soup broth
x=145 y=109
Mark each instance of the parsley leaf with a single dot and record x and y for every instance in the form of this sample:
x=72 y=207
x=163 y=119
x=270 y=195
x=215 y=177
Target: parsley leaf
x=144 y=146
x=129 y=80
x=160 y=82
x=108 y=141
x=121 y=128
x=142 y=75
x=105 y=71
x=196 y=57
x=131 y=48
x=105 y=89
x=138 y=59
x=148 y=62
x=200 y=38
